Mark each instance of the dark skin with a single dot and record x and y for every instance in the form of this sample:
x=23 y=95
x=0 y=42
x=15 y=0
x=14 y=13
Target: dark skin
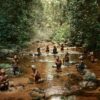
x=4 y=81
x=39 y=51
x=16 y=59
x=58 y=64
x=15 y=68
x=55 y=50
x=62 y=47
x=47 y=48
x=36 y=75
x=66 y=59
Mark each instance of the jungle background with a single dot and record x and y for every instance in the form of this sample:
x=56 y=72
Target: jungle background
x=77 y=22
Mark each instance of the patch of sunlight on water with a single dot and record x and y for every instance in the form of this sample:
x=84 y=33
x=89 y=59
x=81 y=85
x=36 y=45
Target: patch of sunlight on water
x=49 y=77
x=63 y=98
x=55 y=98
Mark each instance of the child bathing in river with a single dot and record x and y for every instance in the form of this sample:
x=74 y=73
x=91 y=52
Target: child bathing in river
x=81 y=66
x=66 y=59
x=15 y=59
x=38 y=51
x=92 y=57
x=55 y=50
x=47 y=48
x=62 y=47
x=58 y=64
x=35 y=74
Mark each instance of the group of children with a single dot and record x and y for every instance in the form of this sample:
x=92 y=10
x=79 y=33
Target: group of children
x=54 y=51
x=4 y=82
x=58 y=61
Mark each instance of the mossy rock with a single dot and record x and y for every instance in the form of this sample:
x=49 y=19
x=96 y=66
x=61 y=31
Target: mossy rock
x=5 y=65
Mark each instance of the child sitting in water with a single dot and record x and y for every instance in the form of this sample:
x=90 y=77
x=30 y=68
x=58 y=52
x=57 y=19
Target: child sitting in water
x=66 y=59
x=4 y=82
x=15 y=59
x=58 y=64
x=35 y=74
x=81 y=66
x=47 y=49
x=55 y=50
x=15 y=68
x=38 y=51
x=92 y=57
x=62 y=47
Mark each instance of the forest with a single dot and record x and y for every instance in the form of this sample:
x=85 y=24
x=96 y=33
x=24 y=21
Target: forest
x=77 y=21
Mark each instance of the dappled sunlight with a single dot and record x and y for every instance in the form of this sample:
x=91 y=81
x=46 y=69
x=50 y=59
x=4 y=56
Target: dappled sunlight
x=51 y=19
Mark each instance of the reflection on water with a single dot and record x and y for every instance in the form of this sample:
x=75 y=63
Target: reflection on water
x=55 y=98
x=49 y=77
x=55 y=84
x=74 y=57
x=63 y=98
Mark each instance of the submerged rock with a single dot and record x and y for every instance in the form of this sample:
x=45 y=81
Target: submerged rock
x=37 y=94
x=55 y=90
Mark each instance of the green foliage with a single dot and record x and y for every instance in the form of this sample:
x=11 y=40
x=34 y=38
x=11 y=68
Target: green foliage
x=5 y=65
x=61 y=33
x=56 y=19
x=20 y=18
x=83 y=19
x=17 y=20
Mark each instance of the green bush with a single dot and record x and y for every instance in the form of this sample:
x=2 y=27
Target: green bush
x=83 y=18
x=17 y=20
x=61 y=33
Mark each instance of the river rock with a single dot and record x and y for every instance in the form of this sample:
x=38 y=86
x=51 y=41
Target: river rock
x=37 y=94
x=55 y=90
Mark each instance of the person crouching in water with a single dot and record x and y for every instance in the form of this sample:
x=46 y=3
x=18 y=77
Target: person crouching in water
x=92 y=57
x=35 y=74
x=66 y=59
x=81 y=66
x=15 y=68
x=58 y=63
x=15 y=64
x=16 y=59
x=62 y=47
x=38 y=51
x=4 y=82
x=47 y=49
x=55 y=50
